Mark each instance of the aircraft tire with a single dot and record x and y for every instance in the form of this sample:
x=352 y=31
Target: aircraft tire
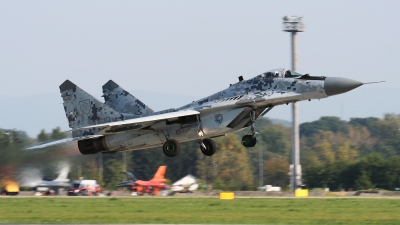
x=210 y=147
x=171 y=148
x=249 y=141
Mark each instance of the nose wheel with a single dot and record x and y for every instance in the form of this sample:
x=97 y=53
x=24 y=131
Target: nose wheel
x=207 y=147
x=249 y=141
x=171 y=148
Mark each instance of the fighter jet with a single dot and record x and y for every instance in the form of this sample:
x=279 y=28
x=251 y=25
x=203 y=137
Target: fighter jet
x=185 y=184
x=125 y=123
x=51 y=187
x=152 y=187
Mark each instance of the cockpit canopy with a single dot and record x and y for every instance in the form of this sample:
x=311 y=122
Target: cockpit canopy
x=279 y=73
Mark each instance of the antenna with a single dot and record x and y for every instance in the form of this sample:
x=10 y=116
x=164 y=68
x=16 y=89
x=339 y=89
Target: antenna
x=374 y=82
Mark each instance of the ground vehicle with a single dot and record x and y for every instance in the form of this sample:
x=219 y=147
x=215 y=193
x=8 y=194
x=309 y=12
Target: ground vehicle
x=84 y=188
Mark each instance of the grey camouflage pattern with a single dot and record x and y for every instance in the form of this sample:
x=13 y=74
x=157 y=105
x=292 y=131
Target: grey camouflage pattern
x=122 y=101
x=265 y=86
x=82 y=109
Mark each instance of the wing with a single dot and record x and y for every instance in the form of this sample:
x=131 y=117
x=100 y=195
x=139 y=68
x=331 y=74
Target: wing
x=137 y=123
x=62 y=141
x=121 y=126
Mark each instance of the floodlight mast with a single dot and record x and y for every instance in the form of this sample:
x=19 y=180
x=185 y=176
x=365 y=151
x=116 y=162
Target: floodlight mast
x=294 y=24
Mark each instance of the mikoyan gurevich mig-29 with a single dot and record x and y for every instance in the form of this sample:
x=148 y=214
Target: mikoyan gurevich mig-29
x=124 y=123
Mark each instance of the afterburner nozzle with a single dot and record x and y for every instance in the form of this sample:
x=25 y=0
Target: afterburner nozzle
x=339 y=85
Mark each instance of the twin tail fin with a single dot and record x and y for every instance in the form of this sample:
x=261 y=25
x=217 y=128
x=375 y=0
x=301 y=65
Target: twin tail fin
x=82 y=109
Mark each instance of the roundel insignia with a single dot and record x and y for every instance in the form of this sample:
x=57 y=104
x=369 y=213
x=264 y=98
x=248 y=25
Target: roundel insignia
x=85 y=106
x=219 y=118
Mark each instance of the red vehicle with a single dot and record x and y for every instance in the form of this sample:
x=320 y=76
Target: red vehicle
x=84 y=188
x=151 y=187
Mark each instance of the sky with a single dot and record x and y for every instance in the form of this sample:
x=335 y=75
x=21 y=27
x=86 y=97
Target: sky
x=168 y=53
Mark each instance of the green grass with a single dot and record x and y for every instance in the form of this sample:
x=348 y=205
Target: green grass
x=201 y=210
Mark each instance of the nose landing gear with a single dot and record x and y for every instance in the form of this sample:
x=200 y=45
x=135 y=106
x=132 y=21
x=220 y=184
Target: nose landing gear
x=250 y=140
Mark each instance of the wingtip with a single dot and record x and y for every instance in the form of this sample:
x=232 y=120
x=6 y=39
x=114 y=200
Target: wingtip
x=67 y=85
x=110 y=85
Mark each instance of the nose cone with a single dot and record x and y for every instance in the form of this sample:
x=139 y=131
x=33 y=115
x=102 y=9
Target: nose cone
x=339 y=85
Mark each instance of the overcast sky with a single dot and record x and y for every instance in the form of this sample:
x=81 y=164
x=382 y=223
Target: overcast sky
x=192 y=49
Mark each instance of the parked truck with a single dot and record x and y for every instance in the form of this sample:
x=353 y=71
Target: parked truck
x=84 y=188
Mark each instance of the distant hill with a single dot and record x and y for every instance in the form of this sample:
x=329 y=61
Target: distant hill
x=281 y=122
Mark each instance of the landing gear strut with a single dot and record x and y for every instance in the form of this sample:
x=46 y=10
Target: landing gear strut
x=207 y=147
x=251 y=140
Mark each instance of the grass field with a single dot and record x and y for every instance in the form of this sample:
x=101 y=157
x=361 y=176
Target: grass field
x=201 y=210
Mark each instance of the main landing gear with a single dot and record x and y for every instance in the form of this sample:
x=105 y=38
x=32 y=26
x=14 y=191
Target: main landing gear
x=171 y=148
x=207 y=147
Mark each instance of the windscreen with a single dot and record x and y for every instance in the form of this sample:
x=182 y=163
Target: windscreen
x=291 y=73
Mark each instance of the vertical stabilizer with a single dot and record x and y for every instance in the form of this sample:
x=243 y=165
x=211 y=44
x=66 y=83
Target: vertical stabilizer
x=63 y=176
x=130 y=176
x=160 y=174
x=82 y=109
x=120 y=100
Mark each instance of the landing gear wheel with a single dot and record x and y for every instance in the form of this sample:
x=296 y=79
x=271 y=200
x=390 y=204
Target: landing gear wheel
x=249 y=141
x=210 y=147
x=171 y=148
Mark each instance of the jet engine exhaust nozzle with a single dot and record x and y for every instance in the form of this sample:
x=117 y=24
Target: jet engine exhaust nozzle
x=339 y=85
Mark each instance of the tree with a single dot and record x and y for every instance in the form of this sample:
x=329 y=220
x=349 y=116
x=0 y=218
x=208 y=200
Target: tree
x=56 y=134
x=276 y=172
x=346 y=153
x=327 y=153
x=112 y=173
x=42 y=136
x=228 y=168
x=325 y=123
x=363 y=182
x=392 y=173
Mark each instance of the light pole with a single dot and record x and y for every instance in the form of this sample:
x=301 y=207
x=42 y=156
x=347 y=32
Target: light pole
x=124 y=168
x=260 y=167
x=294 y=24
x=101 y=168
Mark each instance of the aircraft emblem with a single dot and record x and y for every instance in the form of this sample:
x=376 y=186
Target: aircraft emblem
x=85 y=106
x=219 y=118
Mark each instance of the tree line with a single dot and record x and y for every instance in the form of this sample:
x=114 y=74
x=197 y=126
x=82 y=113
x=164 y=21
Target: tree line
x=362 y=153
